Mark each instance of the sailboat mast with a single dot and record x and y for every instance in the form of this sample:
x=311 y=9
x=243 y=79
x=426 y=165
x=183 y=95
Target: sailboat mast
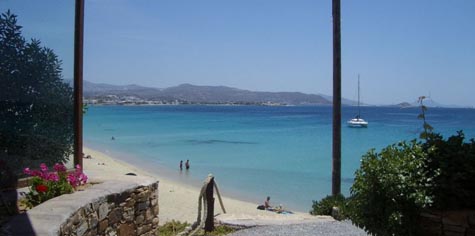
x=359 y=96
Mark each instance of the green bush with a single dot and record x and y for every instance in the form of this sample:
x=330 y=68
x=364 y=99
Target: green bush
x=325 y=206
x=453 y=162
x=390 y=189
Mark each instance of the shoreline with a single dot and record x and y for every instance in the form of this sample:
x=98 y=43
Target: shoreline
x=179 y=201
x=152 y=163
x=185 y=178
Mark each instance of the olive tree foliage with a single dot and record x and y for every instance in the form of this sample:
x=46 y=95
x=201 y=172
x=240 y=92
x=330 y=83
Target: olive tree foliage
x=36 y=105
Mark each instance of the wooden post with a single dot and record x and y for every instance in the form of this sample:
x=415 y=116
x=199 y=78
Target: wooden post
x=336 y=142
x=209 y=221
x=219 y=197
x=78 y=83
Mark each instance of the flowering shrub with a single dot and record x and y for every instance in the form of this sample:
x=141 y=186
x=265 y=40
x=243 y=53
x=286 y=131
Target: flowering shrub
x=46 y=185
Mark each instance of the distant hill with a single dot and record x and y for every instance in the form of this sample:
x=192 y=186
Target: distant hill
x=404 y=104
x=96 y=90
x=202 y=94
x=428 y=102
x=188 y=93
x=222 y=94
x=344 y=101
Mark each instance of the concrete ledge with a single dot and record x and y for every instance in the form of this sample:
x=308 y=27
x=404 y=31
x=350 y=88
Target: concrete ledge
x=252 y=221
x=99 y=210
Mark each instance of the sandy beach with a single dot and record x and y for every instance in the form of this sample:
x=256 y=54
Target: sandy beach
x=178 y=201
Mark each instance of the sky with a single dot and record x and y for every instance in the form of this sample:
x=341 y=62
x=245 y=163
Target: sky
x=51 y=22
x=402 y=49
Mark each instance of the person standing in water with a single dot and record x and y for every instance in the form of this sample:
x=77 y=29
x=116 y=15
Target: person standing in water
x=181 y=164
x=187 y=164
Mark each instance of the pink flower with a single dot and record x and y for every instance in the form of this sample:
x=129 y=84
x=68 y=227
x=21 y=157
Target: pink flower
x=36 y=173
x=82 y=178
x=43 y=167
x=59 y=167
x=27 y=171
x=72 y=180
x=53 y=177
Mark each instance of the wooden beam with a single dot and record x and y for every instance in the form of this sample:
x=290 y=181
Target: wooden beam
x=336 y=142
x=78 y=80
x=209 y=221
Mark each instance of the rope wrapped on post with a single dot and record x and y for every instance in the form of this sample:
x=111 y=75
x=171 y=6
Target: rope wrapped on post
x=206 y=201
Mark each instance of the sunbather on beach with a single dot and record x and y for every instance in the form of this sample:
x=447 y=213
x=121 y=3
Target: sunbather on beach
x=267 y=205
x=279 y=209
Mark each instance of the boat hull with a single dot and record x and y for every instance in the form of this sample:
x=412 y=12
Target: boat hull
x=357 y=123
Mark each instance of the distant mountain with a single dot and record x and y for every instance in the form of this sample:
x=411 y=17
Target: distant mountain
x=96 y=90
x=428 y=102
x=188 y=93
x=404 y=105
x=344 y=101
x=222 y=94
x=202 y=94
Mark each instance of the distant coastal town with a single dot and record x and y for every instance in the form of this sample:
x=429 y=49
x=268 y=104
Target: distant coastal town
x=186 y=94
x=137 y=101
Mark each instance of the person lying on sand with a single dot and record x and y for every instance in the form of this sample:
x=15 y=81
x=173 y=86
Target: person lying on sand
x=267 y=206
x=279 y=210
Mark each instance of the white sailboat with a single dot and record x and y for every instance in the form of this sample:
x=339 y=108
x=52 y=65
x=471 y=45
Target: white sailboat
x=358 y=122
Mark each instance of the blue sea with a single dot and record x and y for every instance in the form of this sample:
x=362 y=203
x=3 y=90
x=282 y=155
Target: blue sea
x=256 y=151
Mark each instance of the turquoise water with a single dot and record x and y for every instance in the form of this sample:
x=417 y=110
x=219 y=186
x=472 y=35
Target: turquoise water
x=256 y=151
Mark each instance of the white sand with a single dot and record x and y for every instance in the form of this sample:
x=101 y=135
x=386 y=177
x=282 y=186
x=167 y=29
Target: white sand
x=180 y=202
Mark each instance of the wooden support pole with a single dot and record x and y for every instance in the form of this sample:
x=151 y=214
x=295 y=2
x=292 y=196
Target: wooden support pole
x=209 y=221
x=219 y=197
x=78 y=80
x=336 y=147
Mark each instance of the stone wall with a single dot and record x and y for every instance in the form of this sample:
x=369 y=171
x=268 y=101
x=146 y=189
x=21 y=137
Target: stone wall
x=132 y=212
x=448 y=223
x=126 y=206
